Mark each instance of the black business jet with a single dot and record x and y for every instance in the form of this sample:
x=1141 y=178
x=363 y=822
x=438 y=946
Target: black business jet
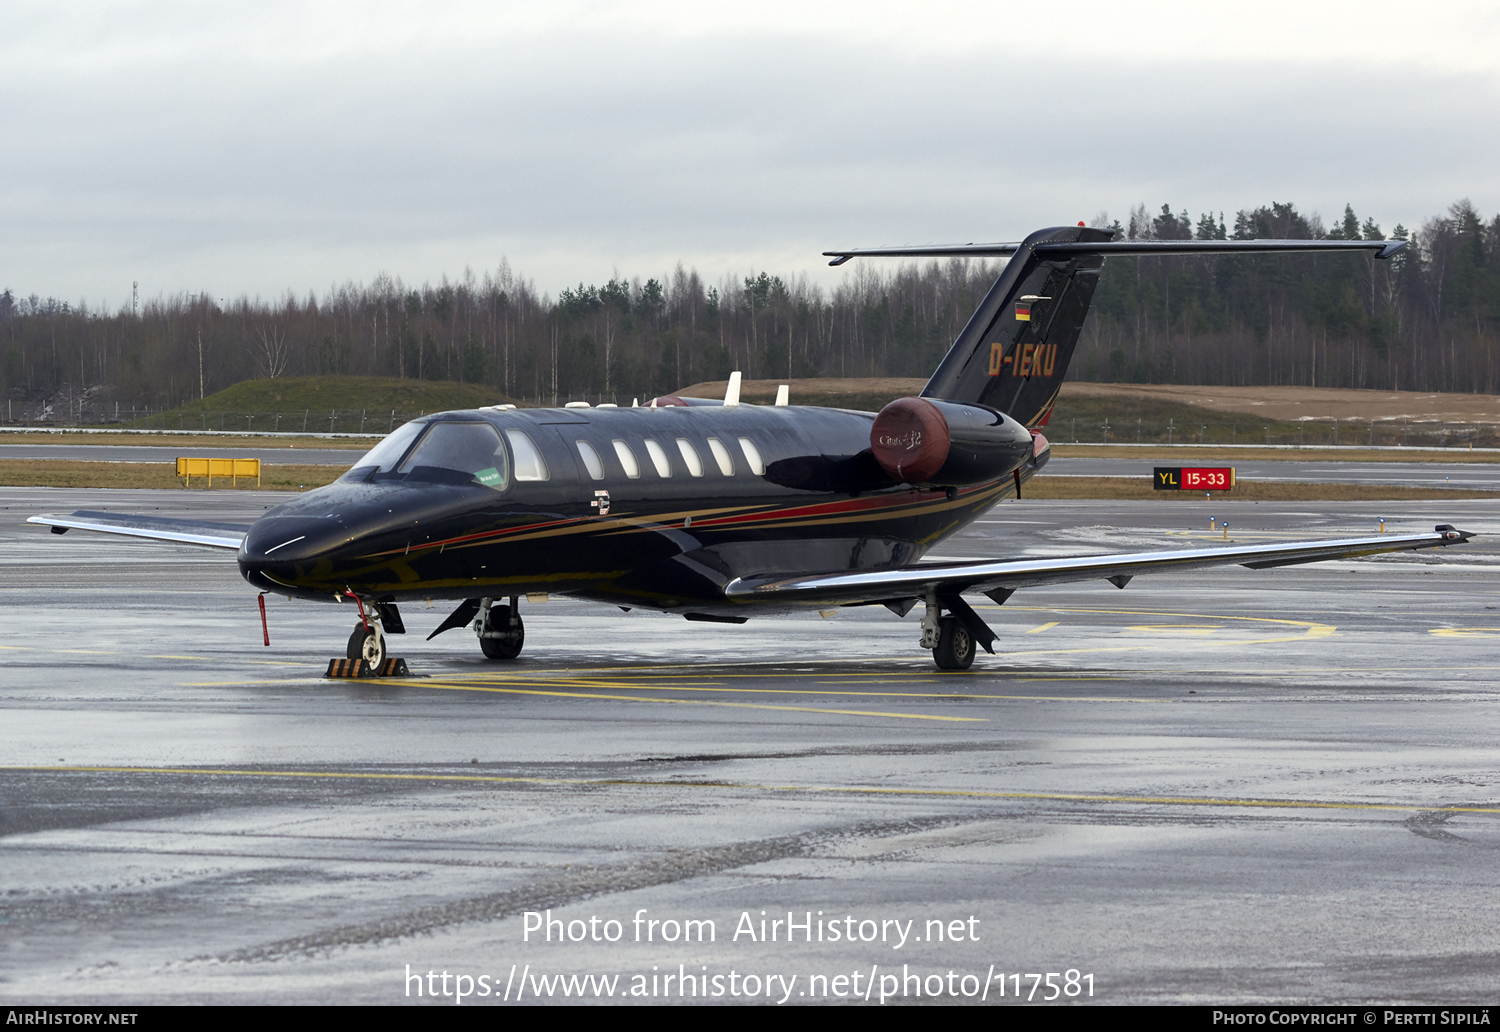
x=719 y=510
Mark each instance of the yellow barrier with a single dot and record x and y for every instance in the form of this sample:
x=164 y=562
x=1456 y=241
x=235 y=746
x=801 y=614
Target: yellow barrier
x=210 y=468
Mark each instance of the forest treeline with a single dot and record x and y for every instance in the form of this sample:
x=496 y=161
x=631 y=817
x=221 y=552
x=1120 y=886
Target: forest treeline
x=1425 y=320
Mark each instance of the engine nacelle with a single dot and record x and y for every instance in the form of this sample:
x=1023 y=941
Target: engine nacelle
x=947 y=443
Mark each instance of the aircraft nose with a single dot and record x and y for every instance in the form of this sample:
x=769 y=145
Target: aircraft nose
x=291 y=539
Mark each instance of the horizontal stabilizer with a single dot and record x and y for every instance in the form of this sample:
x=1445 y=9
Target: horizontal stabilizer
x=847 y=588
x=1062 y=248
x=157 y=528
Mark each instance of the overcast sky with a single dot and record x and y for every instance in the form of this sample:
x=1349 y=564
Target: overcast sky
x=254 y=148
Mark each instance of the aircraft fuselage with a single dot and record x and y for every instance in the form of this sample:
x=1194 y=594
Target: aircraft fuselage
x=748 y=490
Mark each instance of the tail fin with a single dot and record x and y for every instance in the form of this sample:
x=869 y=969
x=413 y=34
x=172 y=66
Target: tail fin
x=1015 y=351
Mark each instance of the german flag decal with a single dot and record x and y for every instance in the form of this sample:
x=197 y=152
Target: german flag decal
x=1023 y=306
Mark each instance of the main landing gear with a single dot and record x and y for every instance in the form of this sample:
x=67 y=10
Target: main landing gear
x=501 y=632
x=499 y=627
x=955 y=638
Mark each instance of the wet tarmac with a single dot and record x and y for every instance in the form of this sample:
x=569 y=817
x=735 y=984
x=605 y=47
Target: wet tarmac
x=1252 y=786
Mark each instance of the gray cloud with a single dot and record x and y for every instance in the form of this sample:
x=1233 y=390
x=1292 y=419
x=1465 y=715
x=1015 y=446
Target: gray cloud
x=205 y=161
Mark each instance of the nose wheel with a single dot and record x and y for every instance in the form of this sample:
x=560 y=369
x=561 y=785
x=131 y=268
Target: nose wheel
x=368 y=644
x=501 y=632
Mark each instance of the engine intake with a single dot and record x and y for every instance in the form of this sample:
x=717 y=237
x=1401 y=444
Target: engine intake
x=947 y=444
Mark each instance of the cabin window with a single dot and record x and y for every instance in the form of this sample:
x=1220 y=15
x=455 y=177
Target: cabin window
x=458 y=453
x=658 y=458
x=721 y=456
x=627 y=459
x=591 y=460
x=384 y=456
x=529 y=464
x=690 y=456
x=752 y=456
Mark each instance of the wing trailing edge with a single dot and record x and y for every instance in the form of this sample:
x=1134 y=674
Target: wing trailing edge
x=157 y=528
x=851 y=588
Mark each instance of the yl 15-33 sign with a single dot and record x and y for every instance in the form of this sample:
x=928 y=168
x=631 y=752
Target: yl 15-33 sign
x=1193 y=478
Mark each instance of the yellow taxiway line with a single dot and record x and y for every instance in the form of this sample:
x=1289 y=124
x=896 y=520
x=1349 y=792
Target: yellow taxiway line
x=751 y=786
x=686 y=702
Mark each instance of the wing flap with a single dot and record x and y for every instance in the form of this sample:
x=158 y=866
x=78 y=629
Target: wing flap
x=206 y=533
x=848 y=587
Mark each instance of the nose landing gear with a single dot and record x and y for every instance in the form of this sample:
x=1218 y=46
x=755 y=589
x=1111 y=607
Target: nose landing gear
x=367 y=643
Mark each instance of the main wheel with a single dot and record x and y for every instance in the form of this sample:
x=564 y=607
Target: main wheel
x=365 y=644
x=955 y=647
x=508 y=647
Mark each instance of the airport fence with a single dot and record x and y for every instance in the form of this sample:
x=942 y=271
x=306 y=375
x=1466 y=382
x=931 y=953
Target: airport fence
x=307 y=421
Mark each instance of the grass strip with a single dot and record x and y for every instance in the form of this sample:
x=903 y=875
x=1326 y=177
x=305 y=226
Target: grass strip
x=189 y=442
x=160 y=475
x=1208 y=454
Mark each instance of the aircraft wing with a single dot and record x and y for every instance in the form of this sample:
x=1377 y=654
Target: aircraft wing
x=1005 y=575
x=158 y=528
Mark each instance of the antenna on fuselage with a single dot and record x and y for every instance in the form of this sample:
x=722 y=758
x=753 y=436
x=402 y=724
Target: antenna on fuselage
x=732 y=393
x=784 y=394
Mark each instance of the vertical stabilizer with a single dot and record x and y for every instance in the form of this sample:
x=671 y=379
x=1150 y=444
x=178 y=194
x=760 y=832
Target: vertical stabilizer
x=1015 y=351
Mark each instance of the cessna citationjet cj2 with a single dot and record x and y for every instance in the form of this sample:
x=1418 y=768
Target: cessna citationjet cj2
x=721 y=511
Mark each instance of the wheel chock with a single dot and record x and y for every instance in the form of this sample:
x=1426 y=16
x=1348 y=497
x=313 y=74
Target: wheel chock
x=354 y=668
x=346 y=668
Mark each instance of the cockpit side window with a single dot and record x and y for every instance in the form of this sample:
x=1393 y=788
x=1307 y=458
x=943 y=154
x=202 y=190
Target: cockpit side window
x=459 y=453
x=383 y=457
x=529 y=462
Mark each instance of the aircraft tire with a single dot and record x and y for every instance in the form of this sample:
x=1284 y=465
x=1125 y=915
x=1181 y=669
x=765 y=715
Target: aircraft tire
x=364 y=644
x=955 y=647
x=503 y=648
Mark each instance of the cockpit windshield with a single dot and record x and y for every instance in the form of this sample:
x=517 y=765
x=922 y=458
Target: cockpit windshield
x=383 y=457
x=447 y=452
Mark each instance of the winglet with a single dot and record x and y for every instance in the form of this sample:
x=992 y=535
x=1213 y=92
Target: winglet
x=732 y=392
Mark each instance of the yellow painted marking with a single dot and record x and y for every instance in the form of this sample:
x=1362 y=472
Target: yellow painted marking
x=500 y=685
x=82 y=652
x=1068 y=797
x=689 y=702
x=1313 y=629
x=1176 y=628
x=1069 y=677
x=1251 y=535
x=281 y=680
x=176 y=657
x=1466 y=632
x=17 y=648
x=1043 y=627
